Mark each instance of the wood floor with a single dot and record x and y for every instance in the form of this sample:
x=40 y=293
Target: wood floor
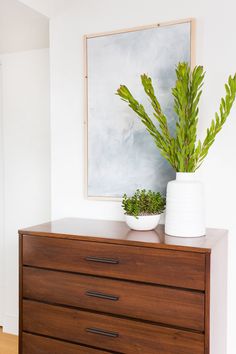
x=8 y=343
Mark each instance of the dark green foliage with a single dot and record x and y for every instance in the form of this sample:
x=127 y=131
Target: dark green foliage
x=144 y=203
x=182 y=151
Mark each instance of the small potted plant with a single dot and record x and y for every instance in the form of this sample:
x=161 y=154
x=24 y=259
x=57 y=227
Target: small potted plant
x=143 y=209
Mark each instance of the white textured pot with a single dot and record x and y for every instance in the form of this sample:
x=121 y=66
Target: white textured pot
x=143 y=223
x=185 y=207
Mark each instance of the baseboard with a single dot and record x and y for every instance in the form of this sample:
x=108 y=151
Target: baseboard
x=10 y=324
x=1 y=320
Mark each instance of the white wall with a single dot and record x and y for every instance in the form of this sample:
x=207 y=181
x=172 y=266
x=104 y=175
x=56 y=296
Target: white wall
x=1 y=203
x=49 y=8
x=21 y=28
x=215 y=49
x=26 y=129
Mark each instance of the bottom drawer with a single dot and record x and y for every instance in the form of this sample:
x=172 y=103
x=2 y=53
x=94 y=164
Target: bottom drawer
x=107 y=332
x=33 y=344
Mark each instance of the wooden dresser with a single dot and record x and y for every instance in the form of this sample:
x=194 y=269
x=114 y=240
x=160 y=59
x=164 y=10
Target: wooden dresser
x=97 y=287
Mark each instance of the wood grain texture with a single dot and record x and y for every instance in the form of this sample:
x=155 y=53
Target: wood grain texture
x=128 y=336
x=216 y=332
x=8 y=343
x=207 y=305
x=179 y=283
x=20 y=293
x=153 y=303
x=33 y=344
x=180 y=269
x=117 y=232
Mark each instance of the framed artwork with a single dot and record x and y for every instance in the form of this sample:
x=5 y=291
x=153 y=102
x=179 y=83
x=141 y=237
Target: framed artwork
x=120 y=155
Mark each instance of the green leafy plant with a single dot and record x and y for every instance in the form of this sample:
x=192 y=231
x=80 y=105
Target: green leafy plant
x=182 y=151
x=144 y=202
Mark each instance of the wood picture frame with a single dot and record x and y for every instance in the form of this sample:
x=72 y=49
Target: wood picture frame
x=87 y=38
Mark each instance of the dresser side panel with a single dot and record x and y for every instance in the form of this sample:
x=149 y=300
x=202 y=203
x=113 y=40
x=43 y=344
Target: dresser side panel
x=218 y=297
x=20 y=293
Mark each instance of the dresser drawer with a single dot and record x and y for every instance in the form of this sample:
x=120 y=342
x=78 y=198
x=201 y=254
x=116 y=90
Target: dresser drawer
x=107 y=332
x=148 y=302
x=167 y=267
x=33 y=344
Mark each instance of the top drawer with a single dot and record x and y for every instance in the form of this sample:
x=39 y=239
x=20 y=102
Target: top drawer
x=158 y=266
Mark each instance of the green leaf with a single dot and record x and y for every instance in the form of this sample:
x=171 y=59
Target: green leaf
x=182 y=151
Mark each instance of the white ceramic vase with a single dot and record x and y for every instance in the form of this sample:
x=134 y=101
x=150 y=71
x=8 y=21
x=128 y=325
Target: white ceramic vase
x=143 y=223
x=185 y=207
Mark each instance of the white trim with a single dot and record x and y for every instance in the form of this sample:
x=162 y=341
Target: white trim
x=10 y=324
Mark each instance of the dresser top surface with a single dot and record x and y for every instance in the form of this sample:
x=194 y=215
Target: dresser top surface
x=117 y=232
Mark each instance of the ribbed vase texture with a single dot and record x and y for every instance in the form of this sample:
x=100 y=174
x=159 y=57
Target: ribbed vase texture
x=185 y=207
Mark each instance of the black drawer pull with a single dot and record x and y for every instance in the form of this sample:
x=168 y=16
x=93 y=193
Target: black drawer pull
x=102 y=260
x=102 y=332
x=102 y=296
